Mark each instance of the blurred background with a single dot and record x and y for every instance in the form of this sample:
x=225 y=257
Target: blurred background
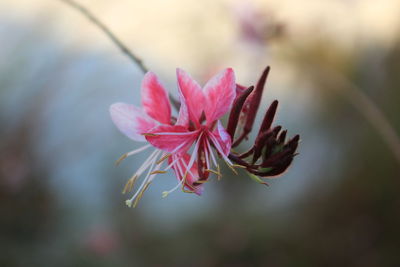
x=335 y=71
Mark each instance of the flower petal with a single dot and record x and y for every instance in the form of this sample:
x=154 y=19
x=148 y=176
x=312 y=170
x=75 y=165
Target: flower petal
x=173 y=139
x=183 y=116
x=131 y=120
x=193 y=94
x=192 y=176
x=240 y=89
x=155 y=99
x=219 y=92
x=223 y=139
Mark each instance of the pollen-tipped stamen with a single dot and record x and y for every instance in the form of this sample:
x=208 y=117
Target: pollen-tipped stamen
x=238 y=166
x=149 y=134
x=163 y=158
x=201 y=181
x=157 y=172
x=146 y=181
x=183 y=175
x=133 y=152
x=213 y=171
x=180 y=166
x=129 y=185
x=120 y=159
x=139 y=197
x=232 y=169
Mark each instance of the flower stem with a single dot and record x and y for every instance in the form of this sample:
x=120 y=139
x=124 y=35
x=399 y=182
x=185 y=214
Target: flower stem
x=124 y=49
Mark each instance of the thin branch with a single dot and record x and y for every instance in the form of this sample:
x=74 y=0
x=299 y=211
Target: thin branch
x=124 y=49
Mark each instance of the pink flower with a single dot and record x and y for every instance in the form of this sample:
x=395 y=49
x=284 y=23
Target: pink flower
x=133 y=122
x=197 y=125
x=190 y=140
x=201 y=110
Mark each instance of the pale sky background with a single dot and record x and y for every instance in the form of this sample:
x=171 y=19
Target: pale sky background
x=195 y=34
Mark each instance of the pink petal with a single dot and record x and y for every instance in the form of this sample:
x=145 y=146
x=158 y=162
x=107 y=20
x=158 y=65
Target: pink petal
x=223 y=139
x=193 y=94
x=155 y=99
x=191 y=177
x=173 y=139
x=131 y=120
x=183 y=116
x=220 y=92
x=240 y=89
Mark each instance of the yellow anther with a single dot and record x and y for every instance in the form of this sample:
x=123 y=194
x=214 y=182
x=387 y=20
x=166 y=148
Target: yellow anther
x=163 y=158
x=124 y=156
x=186 y=191
x=141 y=194
x=239 y=166
x=129 y=185
x=183 y=184
x=230 y=167
x=215 y=172
x=149 y=134
x=155 y=172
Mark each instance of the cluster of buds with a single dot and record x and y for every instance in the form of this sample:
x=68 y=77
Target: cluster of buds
x=271 y=153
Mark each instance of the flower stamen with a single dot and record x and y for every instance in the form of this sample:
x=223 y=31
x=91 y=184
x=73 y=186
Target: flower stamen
x=133 y=152
x=213 y=171
x=157 y=172
x=211 y=153
x=146 y=181
x=238 y=166
x=182 y=181
x=129 y=185
x=163 y=158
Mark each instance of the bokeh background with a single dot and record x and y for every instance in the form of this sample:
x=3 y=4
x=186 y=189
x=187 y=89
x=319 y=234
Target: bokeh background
x=335 y=70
